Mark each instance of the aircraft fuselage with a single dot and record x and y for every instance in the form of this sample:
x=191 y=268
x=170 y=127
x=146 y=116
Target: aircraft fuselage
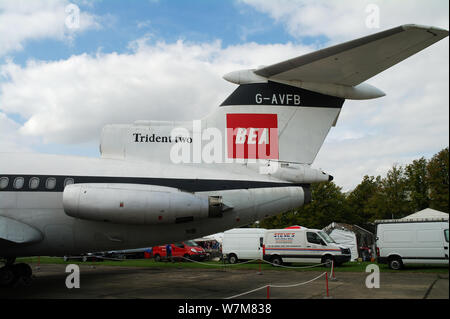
x=38 y=202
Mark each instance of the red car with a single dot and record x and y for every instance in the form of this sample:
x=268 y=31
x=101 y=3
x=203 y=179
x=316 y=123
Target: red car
x=188 y=249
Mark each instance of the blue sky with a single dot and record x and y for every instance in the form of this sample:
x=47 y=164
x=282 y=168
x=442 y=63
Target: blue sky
x=231 y=22
x=164 y=60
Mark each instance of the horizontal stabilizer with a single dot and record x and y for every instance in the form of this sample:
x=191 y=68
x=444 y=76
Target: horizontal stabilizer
x=353 y=62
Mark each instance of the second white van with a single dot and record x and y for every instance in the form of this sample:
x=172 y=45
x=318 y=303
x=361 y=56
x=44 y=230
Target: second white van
x=401 y=242
x=243 y=244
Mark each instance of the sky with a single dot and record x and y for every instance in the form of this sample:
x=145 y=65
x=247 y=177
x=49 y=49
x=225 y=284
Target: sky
x=67 y=68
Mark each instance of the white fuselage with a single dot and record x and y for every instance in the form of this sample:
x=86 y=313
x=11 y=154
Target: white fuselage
x=250 y=195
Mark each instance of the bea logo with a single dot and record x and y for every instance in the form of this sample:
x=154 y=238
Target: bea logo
x=252 y=136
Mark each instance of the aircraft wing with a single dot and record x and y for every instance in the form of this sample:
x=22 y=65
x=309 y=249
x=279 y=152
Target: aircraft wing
x=353 y=62
x=15 y=232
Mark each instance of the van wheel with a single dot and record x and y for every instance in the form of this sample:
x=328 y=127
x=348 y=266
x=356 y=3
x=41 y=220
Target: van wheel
x=232 y=259
x=277 y=261
x=157 y=258
x=395 y=263
x=327 y=260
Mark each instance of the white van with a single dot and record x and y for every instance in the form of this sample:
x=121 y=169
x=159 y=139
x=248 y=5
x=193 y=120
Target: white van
x=400 y=242
x=242 y=244
x=302 y=245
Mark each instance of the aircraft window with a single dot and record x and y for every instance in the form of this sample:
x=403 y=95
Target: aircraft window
x=4 y=181
x=18 y=182
x=50 y=183
x=68 y=181
x=34 y=183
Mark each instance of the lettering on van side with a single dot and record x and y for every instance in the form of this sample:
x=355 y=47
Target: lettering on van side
x=284 y=238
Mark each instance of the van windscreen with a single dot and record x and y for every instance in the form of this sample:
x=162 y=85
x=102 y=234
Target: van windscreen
x=326 y=237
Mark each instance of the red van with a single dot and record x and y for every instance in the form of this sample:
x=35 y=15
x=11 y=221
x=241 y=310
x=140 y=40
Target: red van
x=188 y=249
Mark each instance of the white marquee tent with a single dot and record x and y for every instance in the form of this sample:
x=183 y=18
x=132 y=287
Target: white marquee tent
x=351 y=236
x=427 y=213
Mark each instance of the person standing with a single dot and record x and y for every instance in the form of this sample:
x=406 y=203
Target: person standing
x=169 y=252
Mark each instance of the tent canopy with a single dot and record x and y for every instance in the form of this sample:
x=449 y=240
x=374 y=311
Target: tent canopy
x=427 y=213
x=217 y=237
x=352 y=236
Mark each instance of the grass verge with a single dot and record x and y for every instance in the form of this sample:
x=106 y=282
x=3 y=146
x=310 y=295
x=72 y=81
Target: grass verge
x=149 y=263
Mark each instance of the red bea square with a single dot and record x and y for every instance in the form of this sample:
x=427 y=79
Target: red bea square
x=252 y=136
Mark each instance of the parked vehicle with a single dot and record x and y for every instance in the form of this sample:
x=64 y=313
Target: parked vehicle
x=188 y=249
x=302 y=245
x=138 y=253
x=420 y=241
x=85 y=257
x=242 y=244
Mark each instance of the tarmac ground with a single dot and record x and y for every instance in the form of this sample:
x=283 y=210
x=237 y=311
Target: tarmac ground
x=106 y=282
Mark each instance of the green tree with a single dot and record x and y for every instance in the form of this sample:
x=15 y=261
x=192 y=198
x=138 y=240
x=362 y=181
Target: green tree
x=401 y=192
x=327 y=205
x=395 y=193
x=417 y=184
x=438 y=180
x=279 y=221
x=391 y=198
x=358 y=200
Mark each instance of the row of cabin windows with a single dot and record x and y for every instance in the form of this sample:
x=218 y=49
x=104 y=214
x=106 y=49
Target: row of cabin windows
x=18 y=182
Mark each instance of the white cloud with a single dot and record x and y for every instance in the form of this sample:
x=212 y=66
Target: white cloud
x=68 y=101
x=343 y=20
x=11 y=140
x=24 y=20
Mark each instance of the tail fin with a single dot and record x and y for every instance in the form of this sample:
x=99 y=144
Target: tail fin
x=296 y=121
x=261 y=121
x=281 y=112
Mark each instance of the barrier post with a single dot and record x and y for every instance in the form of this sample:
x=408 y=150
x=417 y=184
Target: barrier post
x=38 y=267
x=259 y=272
x=268 y=291
x=326 y=284
x=333 y=275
